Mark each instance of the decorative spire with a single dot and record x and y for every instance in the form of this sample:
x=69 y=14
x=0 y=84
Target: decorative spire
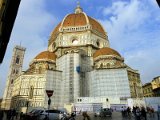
x=78 y=8
x=78 y=4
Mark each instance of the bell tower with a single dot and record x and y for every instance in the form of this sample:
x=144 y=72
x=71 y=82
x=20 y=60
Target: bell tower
x=14 y=71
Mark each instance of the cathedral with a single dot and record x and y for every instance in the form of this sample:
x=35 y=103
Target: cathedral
x=78 y=63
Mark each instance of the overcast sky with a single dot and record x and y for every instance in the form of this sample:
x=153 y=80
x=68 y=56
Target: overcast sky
x=133 y=28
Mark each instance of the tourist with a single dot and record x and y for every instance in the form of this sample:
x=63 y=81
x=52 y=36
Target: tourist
x=85 y=115
x=144 y=113
x=1 y=114
x=152 y=112
x=129 y=112
x=138 y=114
x=122 y=111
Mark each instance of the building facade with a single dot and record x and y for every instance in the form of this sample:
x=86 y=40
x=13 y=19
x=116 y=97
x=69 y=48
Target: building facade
x=156 y=86
x=152 y=89
x=78 y=63
x=147 y=90
x=135 y=83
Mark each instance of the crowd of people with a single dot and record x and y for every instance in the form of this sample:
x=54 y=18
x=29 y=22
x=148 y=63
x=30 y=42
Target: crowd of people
x=138 y=112
x=11 y=114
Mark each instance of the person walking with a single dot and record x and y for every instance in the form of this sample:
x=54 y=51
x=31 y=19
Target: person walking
x=13 y=114
x=129 y=112
x=152 y=112
x=21 y=116
x=138 y=114
x=158 y=113
x=122 y=111
x=134 y=111
x=9 y=114
x=144 y=113
x=85 y=115
x=1 y=114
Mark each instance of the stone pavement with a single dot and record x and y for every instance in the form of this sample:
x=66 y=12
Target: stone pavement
x=115 y=116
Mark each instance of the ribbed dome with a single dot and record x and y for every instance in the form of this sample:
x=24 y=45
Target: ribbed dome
x=79 y=19
x=73 y=20
x=46 y=55
x=105 y=51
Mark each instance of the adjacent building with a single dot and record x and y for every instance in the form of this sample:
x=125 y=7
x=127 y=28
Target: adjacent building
x=147 y=90
x=78 y=63
x=152 y=89
x=8 y=13
x=156 y=86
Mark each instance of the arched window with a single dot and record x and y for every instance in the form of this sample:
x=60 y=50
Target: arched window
x=12 y=81
x=40 y=70
x=54 y=45
x=108 y=65
x=97 y=43
x=101 y=65
x=17 y=59
x=31 y=92
x=16 y=71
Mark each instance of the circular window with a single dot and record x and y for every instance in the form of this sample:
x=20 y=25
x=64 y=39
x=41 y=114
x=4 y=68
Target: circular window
x=75 y=41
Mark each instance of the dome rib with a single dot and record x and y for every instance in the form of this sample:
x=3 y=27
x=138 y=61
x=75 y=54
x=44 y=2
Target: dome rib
x=96 y=25
x=74 y=20
x=54 y=33
x=87 y=19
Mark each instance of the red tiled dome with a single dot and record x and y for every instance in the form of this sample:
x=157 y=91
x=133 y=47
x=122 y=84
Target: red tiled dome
x=46 y=55
x=105 y=51
x=77 y=20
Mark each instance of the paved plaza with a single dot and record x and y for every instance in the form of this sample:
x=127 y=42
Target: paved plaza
x=116 y=116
